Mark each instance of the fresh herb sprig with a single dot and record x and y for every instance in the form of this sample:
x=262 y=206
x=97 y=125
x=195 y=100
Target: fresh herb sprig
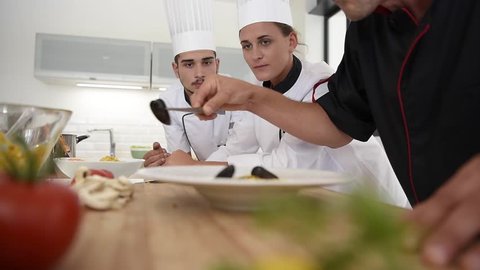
x=353 y=232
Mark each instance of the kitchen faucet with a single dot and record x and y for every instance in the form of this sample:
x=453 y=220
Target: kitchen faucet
x=112 y=143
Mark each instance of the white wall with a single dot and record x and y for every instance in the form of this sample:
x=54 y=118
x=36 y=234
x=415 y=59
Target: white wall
x=337 y=26
x=126 y=111
x=314 y=38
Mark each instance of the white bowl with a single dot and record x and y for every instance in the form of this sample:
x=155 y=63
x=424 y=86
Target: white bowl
x=125 y=167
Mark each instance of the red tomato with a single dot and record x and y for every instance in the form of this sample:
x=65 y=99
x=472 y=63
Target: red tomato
x=37 y=223
x=100 y=172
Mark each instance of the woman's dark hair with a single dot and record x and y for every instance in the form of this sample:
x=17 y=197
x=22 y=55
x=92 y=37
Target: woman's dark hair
x=285 y=28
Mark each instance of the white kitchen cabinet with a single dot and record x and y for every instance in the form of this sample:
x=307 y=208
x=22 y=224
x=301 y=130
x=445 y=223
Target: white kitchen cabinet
x=162 y=58
x=72 y=60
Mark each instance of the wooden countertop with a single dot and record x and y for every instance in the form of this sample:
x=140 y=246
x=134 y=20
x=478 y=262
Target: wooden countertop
x=166 y=227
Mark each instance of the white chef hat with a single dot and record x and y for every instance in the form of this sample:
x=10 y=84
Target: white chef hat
x=191 y=25
x=253 y=11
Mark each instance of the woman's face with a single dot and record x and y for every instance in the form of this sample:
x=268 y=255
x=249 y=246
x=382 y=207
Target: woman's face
x=267 y=51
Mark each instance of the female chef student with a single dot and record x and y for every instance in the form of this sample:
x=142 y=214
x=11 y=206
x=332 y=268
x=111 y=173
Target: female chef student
x=268 y=43
x=193 y=61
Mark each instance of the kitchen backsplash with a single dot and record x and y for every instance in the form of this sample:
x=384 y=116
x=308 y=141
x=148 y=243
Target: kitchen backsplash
x=126 y=112
x=125 y=135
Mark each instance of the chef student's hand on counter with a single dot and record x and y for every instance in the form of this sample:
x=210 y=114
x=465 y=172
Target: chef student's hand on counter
x=452 y=218
x=179 y=157
x=155 y=157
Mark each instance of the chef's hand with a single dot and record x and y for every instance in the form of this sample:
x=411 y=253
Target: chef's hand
x=179 y=157
x=155 y=157
x=220 y=92
x=452 y=218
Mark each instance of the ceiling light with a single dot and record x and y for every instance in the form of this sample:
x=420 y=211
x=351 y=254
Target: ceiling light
x=111 y=86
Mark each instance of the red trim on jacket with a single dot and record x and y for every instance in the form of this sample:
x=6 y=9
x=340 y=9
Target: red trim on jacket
x=402 y=109
x=385 y=11
x=382 y=10
x=410 y=15
x=322 y=81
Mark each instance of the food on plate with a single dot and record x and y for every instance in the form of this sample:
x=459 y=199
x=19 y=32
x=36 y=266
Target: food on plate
x=38 y=219
x=263 y=173
x=258 y=172
x=226 y=172
x=109 y=158
x=75 y=159
x=98 y=189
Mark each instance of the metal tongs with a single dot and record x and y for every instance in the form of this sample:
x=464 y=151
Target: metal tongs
x=160 y=111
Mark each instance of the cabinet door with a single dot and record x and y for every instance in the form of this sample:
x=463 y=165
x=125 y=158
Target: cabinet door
x=74 y=59
x=162 y=58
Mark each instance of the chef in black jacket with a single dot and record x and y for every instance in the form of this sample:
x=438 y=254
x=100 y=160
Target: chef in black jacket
x=411 y=70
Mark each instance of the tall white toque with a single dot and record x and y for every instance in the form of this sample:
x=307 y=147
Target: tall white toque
x=191 y=25
x=253 y=11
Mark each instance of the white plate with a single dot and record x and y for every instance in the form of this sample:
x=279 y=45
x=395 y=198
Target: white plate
x=240 y=194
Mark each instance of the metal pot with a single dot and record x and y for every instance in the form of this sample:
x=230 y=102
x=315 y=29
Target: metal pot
x=66 y=145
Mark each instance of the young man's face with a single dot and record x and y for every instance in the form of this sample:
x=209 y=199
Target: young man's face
x=192 y=67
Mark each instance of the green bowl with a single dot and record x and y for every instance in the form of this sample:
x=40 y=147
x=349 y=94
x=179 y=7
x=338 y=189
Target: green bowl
x=139 y=151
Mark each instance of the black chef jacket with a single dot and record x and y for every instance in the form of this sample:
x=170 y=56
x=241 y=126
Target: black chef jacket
x=418 y=83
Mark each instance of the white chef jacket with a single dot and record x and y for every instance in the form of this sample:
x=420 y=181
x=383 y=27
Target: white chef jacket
x=186 y=132
x=254 y=141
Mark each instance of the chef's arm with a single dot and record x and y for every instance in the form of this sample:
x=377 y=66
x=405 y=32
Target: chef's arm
x=307 y=121
x=180 y=157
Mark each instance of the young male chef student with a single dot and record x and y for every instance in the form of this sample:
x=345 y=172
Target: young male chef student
x=191 y=31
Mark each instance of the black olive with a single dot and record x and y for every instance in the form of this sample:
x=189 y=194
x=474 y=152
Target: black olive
x=263 y=173
x=227 y=172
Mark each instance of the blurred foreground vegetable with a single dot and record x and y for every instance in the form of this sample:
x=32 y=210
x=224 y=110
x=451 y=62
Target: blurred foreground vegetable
x=99 y=190
x=38 y=219
x=353 y=233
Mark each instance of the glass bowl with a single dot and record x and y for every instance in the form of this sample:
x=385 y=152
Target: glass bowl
x=39 y=127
